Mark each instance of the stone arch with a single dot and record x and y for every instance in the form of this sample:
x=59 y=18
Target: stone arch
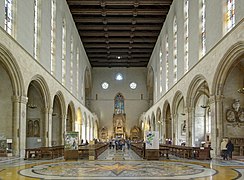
x=153 y=122
x=88 y=126
x=179 y=119
x=228 y=62
x=78 y=126
x=198 y=104
x=167 y=117
x=159 y=121
x=228 y=79
x=70 y=119
x=84 y=126
x=37 y=112
x=44 y=89
x=10 y=106
x=11 y=66
x=57 y=122
x=193 y=88
x=96 y=127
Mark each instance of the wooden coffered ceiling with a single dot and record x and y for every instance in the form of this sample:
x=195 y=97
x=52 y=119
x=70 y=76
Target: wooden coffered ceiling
x=119 y=33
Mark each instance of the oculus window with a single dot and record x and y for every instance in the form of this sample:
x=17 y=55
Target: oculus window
x=133 y=85
x=105 y=85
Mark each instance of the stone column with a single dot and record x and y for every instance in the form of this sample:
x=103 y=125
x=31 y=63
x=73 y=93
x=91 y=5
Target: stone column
x=50 y=125
x=216 y=123
x=47 y=126
x=16 y=118
x=63 y=117
x=189 y=117
x=22 y=125
x=174 y=128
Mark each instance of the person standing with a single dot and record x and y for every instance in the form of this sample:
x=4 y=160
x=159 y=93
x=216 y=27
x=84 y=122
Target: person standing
x=230 y=149
x=223 y=149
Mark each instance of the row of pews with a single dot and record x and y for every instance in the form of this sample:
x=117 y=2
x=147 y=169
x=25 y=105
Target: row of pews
x=93 y=150
x=200 y=153
x=44 y=152
x=84 y=151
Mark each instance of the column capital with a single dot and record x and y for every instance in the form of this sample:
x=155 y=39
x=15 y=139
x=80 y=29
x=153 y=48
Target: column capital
x=215 y=98
x=20 y=99
x=188 y=109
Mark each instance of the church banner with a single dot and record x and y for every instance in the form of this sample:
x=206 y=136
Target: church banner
x=152 y=140
x=71 y=141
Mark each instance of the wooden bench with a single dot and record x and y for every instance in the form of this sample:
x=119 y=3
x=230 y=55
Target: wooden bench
x=44 y=152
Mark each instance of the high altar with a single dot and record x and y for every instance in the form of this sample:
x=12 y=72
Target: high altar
x=119 y=117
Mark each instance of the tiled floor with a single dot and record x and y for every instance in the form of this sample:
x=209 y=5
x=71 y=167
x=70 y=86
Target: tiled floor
x=114 y=164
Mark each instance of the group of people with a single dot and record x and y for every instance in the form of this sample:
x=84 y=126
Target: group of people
x=227 y=147
x=119 y=144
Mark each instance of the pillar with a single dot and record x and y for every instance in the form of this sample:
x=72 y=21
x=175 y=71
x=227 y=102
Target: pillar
x=216 y=123
x=22 y=125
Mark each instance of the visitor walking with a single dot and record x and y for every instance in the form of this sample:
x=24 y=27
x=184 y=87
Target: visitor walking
x=223 y=149
x=230 y=149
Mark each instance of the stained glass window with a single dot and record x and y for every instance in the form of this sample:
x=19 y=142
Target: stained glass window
x=230 y=14
x=119 y=104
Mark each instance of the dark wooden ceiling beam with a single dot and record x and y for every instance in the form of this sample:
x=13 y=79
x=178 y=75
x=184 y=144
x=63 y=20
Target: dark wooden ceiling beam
x=120 y=20
x=119 y=12
x=113 y=28
x=118 y=50
x=119 y=2
x=119 y=34
x=99 y=55
x=122 y=64
x=118 y=60
x=122 y=40
x=119 y=27
x=119 y=45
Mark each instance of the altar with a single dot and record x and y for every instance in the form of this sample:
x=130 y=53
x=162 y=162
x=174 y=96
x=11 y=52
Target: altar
x=119 y=121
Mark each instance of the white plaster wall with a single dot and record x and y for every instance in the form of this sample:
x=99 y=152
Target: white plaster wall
x=45 y=36
x=25 y=24
x=104 y=105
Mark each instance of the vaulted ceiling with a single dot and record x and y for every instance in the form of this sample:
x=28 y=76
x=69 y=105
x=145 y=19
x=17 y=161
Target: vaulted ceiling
x=119 y=33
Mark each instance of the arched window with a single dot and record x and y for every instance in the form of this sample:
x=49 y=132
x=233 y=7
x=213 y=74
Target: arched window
x=53 y=36
x=71 y=63
x=186 y=30
x=175 y=49
x=63 y=52
x=36 y=28
x=230 y=14
x=8 y=21
x=167 y=63
x=119 y=104
x=203 y=28
x=77 y=71
x=161 y=70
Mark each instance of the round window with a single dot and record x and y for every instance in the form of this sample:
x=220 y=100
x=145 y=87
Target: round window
x=105 y=85
x=133 y=85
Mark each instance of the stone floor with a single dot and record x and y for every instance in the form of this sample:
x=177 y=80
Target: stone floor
x=114 y=164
